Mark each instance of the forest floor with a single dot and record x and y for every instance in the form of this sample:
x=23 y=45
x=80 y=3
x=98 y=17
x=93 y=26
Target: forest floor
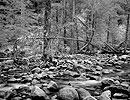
x=68 y=77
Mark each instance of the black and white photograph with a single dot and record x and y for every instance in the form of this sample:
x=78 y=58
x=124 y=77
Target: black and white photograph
x=64 y=49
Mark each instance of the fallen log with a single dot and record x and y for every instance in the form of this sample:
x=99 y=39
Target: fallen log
x=111 y=48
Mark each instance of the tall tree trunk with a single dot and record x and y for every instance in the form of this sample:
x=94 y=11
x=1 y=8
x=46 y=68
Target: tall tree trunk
x=75 y=25
x=22 y=13
x=46 y=23
x=127 y=31
x=77 y=35
x=64 y=19
x=92 y=27
x=108 y=31
x=72 y=19
x=58 y=30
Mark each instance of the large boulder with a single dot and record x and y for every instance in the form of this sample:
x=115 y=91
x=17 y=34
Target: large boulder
x=68 y=93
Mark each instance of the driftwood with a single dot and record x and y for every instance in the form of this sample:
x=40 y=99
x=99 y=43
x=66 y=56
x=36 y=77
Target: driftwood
x=111 y=48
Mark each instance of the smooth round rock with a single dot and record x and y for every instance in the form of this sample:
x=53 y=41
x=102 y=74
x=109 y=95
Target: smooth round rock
x=68 y=93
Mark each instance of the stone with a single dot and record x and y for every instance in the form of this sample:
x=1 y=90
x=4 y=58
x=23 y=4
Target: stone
x=92 y=77
x=52 y=68
x=36 y=70
x=107 y=82
x=35 y=81
x=120 y=62
x=17 y=98
x=52 y=86
x=98 y=73
x=117 y=89
x=98 y=68
x=89 y=98
x=75 y=74
x=12 y=80
x=106 y=95
x=117 y=82
x=83 y=93
x=2 y=94
x=54 y=97
x=117 y=70
x=5 y=89
x=118 y=67
x=124 y=57
x=105 y=71
x=38 y=94
x=68 y=93
x=120 y=95
x=9 y=62
x=125 y=84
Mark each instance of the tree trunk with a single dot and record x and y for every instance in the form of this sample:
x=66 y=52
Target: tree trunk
x=46 y=28
x=92 y=29
x=108 y=31
x=64 y=19
x=72 y=19
x=127 y=31
x=58 y=30
x=77 y=35
x=46 y=22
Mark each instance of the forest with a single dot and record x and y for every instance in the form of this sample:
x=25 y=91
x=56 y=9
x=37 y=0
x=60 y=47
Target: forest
x=64 y=50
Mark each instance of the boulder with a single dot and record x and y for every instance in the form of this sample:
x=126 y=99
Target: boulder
x=106 y=95
x=38 y=94
x=83 y=93
x=68 y=93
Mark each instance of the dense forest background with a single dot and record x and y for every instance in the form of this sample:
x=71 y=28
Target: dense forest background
x=64 y=50
x=59 y=26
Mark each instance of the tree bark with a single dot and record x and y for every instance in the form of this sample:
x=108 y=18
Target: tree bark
x=72 y=31
x=46 y=23
x=64 y=19
x=108 y=31
x=127 y=31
